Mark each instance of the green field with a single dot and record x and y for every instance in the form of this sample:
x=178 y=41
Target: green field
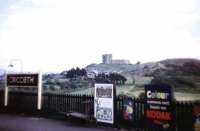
x=132 y=91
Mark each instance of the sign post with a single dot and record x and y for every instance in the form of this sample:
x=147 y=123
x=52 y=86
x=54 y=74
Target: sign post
x=39 y=106
x=6 y=93
x=158 y=107
x=24 y=80
x=104 y=103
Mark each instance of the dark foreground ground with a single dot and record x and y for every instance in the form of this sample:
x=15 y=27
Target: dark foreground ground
x=13 y=122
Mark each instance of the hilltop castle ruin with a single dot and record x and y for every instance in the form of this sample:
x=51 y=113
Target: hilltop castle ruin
x=107 y=59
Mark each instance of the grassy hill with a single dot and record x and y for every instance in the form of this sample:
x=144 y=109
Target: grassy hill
x=180 y=73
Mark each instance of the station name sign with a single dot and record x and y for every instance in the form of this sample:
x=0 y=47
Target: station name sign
x=22 y=79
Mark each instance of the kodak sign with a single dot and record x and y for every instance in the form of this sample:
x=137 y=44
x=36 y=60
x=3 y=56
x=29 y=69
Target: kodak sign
x=158 y=107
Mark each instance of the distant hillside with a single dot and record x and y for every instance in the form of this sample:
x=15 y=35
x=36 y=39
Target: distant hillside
x=119 y=68
x=179 y=62
x=127 y=69
x=177 y=72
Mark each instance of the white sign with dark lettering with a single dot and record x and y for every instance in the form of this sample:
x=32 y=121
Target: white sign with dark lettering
x=104 y=103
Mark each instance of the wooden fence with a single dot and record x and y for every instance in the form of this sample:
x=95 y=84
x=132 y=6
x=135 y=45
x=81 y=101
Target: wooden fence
x=54 y=104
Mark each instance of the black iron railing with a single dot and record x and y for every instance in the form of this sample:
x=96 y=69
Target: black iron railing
x=53 y=104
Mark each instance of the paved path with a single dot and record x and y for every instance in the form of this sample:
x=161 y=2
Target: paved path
x=27 y=123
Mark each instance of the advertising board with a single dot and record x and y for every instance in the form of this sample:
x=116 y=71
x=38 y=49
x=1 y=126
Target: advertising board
x=197 y=117
x=128 y=109
x=104 y=103
x=158 y=106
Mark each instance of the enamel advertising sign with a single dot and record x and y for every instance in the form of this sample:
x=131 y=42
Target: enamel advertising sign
x=104 y=103
x=197 y=117
x=128 y=109
x=158 y=106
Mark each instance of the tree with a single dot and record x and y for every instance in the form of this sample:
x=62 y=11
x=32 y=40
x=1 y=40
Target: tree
x=102 y=78
x=138 y=63
x=114 y=78
x=75 y=73
x=117 y=78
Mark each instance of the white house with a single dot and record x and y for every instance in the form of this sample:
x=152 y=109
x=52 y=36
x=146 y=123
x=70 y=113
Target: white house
x=92 y=73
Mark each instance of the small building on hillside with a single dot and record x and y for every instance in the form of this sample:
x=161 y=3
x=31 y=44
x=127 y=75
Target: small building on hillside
x=92 y=74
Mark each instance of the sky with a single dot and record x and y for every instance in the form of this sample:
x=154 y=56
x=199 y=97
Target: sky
x=56 y=35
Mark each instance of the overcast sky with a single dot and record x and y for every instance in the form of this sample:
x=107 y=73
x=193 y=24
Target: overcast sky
x=55 y=35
